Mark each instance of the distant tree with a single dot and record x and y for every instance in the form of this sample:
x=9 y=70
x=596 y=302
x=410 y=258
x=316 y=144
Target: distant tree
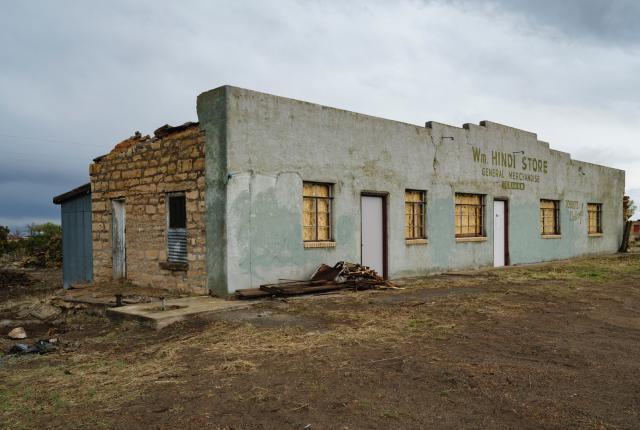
x=4 y=233
x=42 y=247
x=5 y=245
x=631 y=209
x=48 y=229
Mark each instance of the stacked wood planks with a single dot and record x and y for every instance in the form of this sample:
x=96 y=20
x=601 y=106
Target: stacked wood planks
x=326 y=278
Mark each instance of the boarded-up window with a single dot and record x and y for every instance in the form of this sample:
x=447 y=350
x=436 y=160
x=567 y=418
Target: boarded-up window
x=594 y=210
x=316 y=213
x=469 y=215
x=550 y=217
x=414 y=214
x=177 y=231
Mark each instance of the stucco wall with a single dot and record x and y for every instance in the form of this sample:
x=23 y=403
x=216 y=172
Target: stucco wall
x=142 y=171
x=271 y=144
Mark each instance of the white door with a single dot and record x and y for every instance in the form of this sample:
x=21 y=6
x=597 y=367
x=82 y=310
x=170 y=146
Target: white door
x=118 y=248
x=498 y=233
x=373 y=233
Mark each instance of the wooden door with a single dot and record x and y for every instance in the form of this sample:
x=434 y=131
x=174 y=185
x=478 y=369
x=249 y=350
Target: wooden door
x=499 y=233
x=118 y=247
x=373 y=233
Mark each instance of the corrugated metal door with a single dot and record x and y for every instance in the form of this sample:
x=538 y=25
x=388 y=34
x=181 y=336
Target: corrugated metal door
x=77 y=261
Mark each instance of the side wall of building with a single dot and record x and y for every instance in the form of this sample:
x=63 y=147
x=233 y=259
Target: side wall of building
x=273 y=144
x=212 y=109
x=142 y=171
x=77 y=263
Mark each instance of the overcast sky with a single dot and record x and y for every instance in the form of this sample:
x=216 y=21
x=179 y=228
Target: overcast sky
x=78 y=77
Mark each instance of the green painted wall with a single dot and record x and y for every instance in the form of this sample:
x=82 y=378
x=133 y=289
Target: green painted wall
x=213 y=120
x=260 y=148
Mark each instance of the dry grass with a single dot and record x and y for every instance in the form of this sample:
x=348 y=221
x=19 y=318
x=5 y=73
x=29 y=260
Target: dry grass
x=90 y=379
x=98 y=378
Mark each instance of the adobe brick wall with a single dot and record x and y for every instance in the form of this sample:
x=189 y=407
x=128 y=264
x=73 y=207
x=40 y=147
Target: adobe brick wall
x=143 y=170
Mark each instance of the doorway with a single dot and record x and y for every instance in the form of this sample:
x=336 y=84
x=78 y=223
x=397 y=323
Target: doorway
x=118 y=247
x=374 y=232
x=500 y=233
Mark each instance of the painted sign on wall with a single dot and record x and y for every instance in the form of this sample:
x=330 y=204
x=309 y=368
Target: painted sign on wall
x=576 y=209
x=514 y=166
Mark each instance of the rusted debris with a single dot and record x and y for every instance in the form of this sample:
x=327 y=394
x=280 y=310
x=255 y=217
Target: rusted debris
x=39 y=347
x=167 y=129
x=326 y=278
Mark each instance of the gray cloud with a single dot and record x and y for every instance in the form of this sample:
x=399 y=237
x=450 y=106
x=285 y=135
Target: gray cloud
x=78 y=77
x=610 y=22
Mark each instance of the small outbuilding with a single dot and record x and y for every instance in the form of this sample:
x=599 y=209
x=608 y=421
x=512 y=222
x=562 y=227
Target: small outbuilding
x=635 y=231
x=77 y=248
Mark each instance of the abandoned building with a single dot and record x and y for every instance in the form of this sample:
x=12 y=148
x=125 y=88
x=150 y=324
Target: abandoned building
x=264 y=188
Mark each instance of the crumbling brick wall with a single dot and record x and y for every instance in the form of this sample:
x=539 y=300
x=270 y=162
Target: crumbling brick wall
x=142 y=171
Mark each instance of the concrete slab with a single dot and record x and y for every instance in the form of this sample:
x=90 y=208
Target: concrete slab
x=175 y=310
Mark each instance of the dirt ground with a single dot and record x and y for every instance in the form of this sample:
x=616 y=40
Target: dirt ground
x=546 y=346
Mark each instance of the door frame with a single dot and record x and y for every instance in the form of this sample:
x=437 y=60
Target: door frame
x=119 y=200
x=385 y=229
x=506 y=227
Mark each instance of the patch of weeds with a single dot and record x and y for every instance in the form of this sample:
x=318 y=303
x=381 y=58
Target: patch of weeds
x=119 y=363
x=177 y=409
x=366 y=404
x=5 y=399
x=236 y=367
x=26 y=394
x=591 y=274
x=389 y=414
x=92 y=392
x=441 y=332
x=56 y=400
x=415 y=323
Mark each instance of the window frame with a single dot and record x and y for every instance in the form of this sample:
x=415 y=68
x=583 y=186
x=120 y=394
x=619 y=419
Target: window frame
x=170 y=229
x=329 y=200
x=598 y=214
x=481 y=232
x=184 y=199
x=422 y=204
x=556 y=218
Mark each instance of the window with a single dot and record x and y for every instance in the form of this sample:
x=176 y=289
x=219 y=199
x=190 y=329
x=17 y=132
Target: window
x=316 y=212
x=594 y=211
x=177 y=231
x=550 y=217
x=414 y=214
x=469 y=215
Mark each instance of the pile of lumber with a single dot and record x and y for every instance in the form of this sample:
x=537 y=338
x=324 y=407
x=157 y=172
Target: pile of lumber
x=326 y=278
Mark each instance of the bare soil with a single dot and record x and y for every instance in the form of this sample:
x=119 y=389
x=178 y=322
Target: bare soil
x=552 y=346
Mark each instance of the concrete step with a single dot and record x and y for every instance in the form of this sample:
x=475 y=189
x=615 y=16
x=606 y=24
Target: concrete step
x=151 y=314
